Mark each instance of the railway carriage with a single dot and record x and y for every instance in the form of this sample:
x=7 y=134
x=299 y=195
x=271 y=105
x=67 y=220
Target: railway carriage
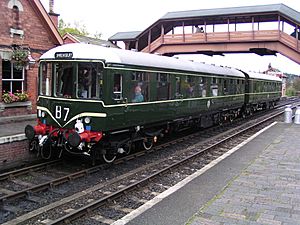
x=98 y=101
x=263 y=91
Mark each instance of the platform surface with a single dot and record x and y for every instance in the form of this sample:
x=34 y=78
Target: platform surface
x=15 y=125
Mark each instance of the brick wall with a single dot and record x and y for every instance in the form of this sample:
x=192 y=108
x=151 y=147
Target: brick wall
x=14 y=153
x=16 y=111
x=37 y=36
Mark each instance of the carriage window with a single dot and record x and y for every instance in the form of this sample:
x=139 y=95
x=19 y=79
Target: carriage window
x=140 y=87
x=202 y=87
x=214 y=87
x=117 y=89
x=225 y=89
x=231 y=87
x=238 y=87
x=190 y=86
x=178 y=93
x=243 y=86
x=163 y=86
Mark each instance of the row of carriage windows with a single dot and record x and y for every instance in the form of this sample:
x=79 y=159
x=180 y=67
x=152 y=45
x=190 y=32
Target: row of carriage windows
x=135 y=86
x=162 y=86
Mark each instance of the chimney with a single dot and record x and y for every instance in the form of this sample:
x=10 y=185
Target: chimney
x=53 y=16
x=51 y=6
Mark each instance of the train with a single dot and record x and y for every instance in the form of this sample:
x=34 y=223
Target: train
x=99 y=102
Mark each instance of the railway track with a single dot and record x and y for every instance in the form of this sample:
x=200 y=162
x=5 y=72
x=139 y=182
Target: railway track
x=105 y=191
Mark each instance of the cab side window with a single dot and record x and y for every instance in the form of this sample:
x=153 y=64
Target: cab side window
x=117 y=86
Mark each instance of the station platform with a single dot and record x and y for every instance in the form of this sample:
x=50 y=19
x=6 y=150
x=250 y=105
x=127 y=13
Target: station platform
x=256 y=183
x=13 y=127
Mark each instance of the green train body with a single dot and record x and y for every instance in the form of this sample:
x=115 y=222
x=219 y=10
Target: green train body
x=98 y=101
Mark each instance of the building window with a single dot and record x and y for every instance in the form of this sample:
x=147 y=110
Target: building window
x=12 y=78
x=16 y=17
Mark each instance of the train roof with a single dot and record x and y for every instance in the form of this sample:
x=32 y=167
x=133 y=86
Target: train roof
x=126 y=57
x=263 y=76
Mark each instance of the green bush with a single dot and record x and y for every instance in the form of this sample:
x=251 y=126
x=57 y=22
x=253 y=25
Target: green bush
x=290 y=91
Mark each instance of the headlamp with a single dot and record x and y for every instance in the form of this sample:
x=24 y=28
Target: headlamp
x=87 y=120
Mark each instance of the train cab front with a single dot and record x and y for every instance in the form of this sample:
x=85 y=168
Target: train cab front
x=49 y=140
x=66 y=116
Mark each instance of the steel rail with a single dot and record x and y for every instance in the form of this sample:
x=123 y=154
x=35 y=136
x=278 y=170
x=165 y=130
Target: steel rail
x=13 y=173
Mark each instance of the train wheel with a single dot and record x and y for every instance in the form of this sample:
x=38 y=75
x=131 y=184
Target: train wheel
x=244 y=114
x=108 y=157
x=251 y=112
x=46 y=151
x=147 y=144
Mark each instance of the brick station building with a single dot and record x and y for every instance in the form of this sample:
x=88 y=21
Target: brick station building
x=26 y=32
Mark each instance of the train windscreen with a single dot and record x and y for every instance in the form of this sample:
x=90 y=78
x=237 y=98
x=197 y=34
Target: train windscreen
x=71 y=79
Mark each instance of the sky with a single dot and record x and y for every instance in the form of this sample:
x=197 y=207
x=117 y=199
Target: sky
x=110 y=17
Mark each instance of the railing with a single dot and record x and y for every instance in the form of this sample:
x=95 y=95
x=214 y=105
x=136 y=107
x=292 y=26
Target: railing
x=225 y=37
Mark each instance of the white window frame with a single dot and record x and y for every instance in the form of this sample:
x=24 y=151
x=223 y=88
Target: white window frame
x=11 y=80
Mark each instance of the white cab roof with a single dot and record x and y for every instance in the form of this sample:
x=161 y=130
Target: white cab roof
x=120 y=56
x=263 y=76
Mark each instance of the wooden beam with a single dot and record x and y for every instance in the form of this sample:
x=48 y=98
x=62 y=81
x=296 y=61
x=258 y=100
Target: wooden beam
x=297 y=36
x=183 y=33
x=228 y=26
x=279 y=26
x=205 y=33
x=162 y=33
x=149 y=41
x=252 y=27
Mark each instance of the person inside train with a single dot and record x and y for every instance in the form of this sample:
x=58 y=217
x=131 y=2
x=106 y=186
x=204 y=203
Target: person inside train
x=85 y=80
x=66 y=79
x=138 y=97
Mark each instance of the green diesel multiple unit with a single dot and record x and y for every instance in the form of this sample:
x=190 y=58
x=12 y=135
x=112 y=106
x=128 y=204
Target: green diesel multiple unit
x=98 y=101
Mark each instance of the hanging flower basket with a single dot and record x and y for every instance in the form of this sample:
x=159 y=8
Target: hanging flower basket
x=20 y=58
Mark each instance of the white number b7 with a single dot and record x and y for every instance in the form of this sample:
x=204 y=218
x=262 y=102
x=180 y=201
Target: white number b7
x=59 y=112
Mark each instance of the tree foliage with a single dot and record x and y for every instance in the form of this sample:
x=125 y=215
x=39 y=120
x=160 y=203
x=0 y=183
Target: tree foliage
x=78 y=28
x=296 y=84
x=97 y=35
